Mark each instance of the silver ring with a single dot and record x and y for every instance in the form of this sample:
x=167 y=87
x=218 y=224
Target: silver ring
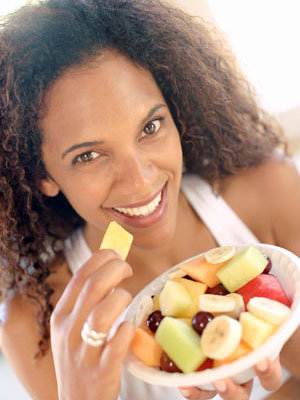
x=92 y=337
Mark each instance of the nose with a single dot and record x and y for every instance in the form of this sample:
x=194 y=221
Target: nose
x=135 y=173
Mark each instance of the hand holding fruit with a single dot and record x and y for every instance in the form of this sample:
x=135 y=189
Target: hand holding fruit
x=215 y=314
x=268 y=372
x=91 y=370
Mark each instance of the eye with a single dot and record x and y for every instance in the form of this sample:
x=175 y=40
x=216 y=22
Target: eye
x=152 y=127
x=86 y=157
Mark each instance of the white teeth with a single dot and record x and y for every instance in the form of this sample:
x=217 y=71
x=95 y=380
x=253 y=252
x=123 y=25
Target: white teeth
x=144 y=210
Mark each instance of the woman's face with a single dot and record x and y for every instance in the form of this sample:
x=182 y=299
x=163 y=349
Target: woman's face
x=112 y=148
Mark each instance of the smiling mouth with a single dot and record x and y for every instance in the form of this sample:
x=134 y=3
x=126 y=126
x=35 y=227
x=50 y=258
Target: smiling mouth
x=142 y=211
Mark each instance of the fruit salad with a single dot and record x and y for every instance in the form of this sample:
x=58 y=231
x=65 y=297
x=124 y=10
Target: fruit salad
x=211 y=311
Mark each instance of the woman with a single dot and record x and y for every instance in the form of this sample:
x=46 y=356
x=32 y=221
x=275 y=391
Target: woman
x=102 y=102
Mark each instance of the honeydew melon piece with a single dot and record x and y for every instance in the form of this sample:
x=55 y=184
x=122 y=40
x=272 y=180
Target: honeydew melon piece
x=255 y=331
x=195 y=289
x=146 y=348
x=242 y=269
x=242 y=349
x=174 y=299
x=202 y=271
x=117 y=238
x=181 y=343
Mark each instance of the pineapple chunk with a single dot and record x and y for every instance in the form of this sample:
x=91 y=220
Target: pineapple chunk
x=117 y=238
x=255 y=331
x=174 y=300
x=195 y=289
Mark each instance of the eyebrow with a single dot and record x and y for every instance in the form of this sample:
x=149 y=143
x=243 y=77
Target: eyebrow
x=79 y=146
x=151 y=112
x=93 y=143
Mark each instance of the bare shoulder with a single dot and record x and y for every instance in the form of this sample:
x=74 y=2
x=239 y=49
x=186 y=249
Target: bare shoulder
x=19 y=338
x=274 y=171
x=267 y=197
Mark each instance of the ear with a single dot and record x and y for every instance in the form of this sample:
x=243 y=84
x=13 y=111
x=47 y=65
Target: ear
x=49 y=187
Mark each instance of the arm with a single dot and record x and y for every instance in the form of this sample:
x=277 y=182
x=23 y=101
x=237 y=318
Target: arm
x=19 y=336
x=74 y=369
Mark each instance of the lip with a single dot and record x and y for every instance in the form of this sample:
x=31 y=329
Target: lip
x=145 y=221
x=142 y=203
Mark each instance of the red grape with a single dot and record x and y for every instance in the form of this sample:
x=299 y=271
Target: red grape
x=154 y=320
x=200 y=320
x=167 y=364
x=219 y=289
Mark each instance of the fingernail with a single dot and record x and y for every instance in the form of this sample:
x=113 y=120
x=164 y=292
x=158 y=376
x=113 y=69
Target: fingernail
x=220 y=386
x=262 y=366
x=185 y=393
x=117 y=252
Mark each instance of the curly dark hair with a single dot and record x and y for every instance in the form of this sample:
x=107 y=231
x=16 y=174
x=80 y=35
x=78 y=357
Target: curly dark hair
x=221 y=127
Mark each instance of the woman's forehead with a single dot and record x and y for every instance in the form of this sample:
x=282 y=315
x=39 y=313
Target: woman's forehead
x=106 y=91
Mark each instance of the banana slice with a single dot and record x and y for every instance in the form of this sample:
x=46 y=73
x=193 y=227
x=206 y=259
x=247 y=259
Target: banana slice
x=220 y=254
x=143 y=310
x=215 y=303
x=269 y=310
x=220 y=337
x=239 y=305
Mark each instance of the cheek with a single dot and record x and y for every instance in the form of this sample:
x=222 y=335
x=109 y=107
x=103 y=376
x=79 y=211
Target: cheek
x=174 y=151
x=86 y=193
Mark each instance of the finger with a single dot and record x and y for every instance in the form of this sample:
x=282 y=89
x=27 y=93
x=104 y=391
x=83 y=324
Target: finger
x=70 y=294
x=115 y=350
x=194 y=393
x=102 y=318
x=229 y=390
x=97 y=286
x=269 y=373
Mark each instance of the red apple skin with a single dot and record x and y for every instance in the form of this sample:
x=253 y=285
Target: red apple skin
x=208 y=363
x=264 y=286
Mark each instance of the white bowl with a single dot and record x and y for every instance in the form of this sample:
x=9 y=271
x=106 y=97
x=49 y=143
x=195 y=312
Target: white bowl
x=286 y=266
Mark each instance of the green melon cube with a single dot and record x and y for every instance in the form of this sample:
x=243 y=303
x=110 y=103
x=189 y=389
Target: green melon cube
x=181 y=343
x=242 y=269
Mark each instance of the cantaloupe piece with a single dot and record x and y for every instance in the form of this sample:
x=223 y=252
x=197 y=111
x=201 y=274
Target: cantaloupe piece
x=146 y=348
x=240 y=351
x=202 y=271
x=117 y=238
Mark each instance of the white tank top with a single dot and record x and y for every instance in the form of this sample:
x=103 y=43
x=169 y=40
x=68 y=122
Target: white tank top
x=227 y=229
